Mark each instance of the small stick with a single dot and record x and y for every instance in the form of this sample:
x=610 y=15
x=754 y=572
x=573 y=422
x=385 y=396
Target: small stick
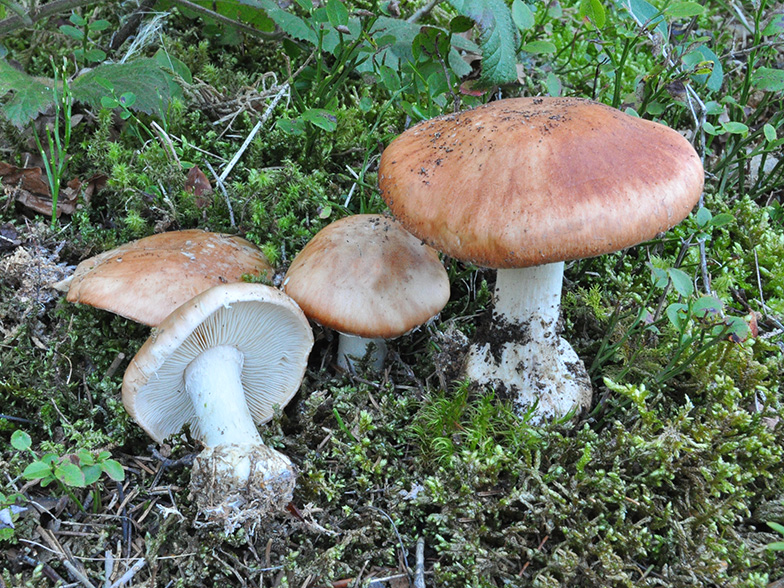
x=222 y=187
x=419 y=571
x=128 y=576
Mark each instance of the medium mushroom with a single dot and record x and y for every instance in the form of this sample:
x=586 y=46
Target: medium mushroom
x=370 y=280
x=522 y=185
x=221 y=362
x=146 y=280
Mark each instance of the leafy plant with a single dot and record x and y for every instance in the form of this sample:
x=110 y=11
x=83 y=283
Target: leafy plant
x=78 y=470
x=80 y=30
x=776 y=545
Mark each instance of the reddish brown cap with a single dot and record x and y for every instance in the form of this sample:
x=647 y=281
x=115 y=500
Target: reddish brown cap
x=367 y=276
x=529 y=181
x=146 y=280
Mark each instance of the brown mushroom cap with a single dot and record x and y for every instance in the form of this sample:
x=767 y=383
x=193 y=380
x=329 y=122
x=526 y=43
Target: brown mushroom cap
x=365 y=275
x=528 y=181
x=146 y=280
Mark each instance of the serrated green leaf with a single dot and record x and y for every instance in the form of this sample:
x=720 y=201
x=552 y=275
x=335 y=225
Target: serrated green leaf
x=21 y=440
x=684 y=10
x=70 y=474
x=768 y=79
x=142 y=77
x=594 y=11
x=30 y=95
x=498 y=38
x=290 y=23
x=167 y=61
x=681 y=281
x=37 y=470
x=113 y=469
x=522 y=15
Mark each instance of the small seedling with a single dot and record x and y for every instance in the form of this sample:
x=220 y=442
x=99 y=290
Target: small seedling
x=78 y=470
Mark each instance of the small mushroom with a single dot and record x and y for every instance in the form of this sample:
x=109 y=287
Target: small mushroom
x=522 y=185
x=221 y=362
x=370 y=280
x=146 y=280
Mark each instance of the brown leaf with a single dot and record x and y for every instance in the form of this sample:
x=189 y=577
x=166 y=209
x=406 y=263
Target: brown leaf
x=199 y=185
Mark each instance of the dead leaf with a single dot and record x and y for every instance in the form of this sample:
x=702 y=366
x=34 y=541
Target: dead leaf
x=199 y=185
x=30 y=188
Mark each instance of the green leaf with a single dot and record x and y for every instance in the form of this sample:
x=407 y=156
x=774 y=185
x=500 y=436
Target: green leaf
x=85 y=457
x=706 y=306
x=703 y=216
x=735 y=128
x=21 y=440
x=91 y=474
x=30 y=95
x=593 y=10
x=537 y=47
x=113 y=469
x=681 y=281
x=77 y=19
x=460 y=24
x=498 y=38
x=37 y=470
x=775 y=26
x=770 y=132
x=684 y=10
x=70 y=474
x=95 y=55
x=659 y=277
x=768 y=79
x=100 y=25
x=324 y=119
x=72 y=32
x=722 y=219
x=776 y=527
x=142 y=77
x=294 y=126
x=648 y=16
x=676 y=313
x=522 y=15
x=167 y=61
x=697 y=60
x=290 y=23
x=337 y=13
x=246 y=12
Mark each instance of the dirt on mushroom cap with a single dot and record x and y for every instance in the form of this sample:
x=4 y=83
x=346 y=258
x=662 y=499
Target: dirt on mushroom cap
x=528 y=181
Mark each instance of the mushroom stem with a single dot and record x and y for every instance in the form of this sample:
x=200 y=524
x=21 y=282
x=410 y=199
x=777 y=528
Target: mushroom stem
x=352 y=348
x=524 y=356
x=214 y=383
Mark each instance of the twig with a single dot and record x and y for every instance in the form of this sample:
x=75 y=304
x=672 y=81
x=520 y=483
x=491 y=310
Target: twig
x=229 y=21
x=13 y=23
x=399 y=538
x=128 y=576
x=419 y=571
x=267 y=113
x=131 y=24
x=425 y=10
x=222 y=188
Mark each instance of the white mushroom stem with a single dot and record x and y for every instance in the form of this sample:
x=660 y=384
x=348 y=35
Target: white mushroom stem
x=236 y=467
x=352 y=348
x=214 y=383
x=524 y=354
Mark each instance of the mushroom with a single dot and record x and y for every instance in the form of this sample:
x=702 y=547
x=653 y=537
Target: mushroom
x=370 y=280
x=522 y=185
x=146 y=280
x=221 y=362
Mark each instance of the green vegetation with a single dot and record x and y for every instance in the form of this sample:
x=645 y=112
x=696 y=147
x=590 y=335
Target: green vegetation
x=675 y=477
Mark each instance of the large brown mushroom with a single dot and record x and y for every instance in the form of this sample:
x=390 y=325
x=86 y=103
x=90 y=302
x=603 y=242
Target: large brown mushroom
x=523 y=185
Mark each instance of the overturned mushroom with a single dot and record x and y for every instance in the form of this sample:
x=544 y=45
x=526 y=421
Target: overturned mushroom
x=370 y=280
x=145 y=280
x=221 y=362
x=523 y=185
